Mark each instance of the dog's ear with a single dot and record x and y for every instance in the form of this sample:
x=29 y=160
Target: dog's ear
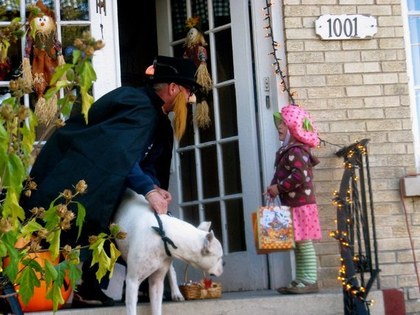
x=207 y=241
x=204 y=226
x=210 y=236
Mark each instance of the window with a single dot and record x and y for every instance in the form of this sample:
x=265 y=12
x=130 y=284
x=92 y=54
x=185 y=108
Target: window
x=413 y=54
x=72 y=19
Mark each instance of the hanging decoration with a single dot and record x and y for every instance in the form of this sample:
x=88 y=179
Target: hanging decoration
x=195 y=49
x=42 y=55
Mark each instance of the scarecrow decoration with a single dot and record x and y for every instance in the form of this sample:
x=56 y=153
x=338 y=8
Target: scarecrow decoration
x=44 y=49
x=195 y=50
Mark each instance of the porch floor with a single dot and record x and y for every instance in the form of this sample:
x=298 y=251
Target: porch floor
x=267 y=302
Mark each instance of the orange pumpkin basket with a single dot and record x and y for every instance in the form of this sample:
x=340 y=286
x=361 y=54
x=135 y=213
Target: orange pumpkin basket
x=38 y=301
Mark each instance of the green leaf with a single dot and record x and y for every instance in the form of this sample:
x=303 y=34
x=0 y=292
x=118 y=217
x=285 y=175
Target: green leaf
x=11 y=270
x=115 y=253
x=65 y=104
x=31 y=262
x=27 y=282
x=76 y=55
x=54 y=294
x=56 y=280
x=11 y=101
x=28 y=138
x=61 y=270
x=59 y=72
x=54 y=239
x=51 y=219
x=87 y=101
x=11 y=207
x=80 y=218
x=104 y=265
x=100 y=257
x=16 y=20
x=15 y=172
x=87 y=74
x=3 y=133
x=51 y=92
x=70 y=74
x=3 y=249
x=51 y=273
x=33 y=28
x=75 y=274
x=63 y=84
x=30 y=227
x=97 y=247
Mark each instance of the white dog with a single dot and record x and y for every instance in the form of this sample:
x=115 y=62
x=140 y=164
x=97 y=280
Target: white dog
x=146 y=251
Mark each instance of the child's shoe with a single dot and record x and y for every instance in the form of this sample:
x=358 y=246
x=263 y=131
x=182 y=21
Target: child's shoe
x=299 y=287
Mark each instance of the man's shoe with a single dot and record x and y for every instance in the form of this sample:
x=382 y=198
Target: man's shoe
x=91 y=296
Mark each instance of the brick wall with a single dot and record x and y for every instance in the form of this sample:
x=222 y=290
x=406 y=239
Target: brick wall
x=357 y=89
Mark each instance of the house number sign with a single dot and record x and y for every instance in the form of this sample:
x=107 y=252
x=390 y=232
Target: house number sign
x=334 y=27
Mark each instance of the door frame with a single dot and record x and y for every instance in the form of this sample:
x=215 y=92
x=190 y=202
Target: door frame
x=269 y=99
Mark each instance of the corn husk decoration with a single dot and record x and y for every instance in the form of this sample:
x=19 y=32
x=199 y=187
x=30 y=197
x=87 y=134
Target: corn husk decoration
x=195 y=50
x=44 y=50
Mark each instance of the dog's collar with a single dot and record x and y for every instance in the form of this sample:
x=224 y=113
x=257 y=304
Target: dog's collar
x=166 y=240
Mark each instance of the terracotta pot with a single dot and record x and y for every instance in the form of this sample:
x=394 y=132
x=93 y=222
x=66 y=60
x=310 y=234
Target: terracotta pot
x=38 y=301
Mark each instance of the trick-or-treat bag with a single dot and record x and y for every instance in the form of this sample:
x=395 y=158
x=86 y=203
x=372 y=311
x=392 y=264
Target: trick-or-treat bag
x=273 y=228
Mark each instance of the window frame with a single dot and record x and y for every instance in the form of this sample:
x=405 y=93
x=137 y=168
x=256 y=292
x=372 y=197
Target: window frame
x=413 y=89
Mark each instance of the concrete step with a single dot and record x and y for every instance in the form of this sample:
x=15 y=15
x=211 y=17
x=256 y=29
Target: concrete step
x=245 y=303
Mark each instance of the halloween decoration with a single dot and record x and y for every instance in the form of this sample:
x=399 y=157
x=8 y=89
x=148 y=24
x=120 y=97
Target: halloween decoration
x=195 y=50
x=44 y=50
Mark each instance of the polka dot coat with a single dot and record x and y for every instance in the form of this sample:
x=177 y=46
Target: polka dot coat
x=293 y=177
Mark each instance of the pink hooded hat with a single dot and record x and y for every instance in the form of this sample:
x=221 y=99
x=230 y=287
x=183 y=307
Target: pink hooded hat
x=300 y=124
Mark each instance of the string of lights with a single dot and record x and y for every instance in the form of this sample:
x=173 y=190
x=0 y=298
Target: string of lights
x=276 y=63
x=275 y=45
x=351 y=217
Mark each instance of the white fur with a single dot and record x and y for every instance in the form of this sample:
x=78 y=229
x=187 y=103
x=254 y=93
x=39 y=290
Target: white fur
x=144 y=251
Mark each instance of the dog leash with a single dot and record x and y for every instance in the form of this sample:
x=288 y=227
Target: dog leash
x=166 y=240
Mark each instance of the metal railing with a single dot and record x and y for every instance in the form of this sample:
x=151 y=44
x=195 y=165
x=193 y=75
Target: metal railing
x=356 y=230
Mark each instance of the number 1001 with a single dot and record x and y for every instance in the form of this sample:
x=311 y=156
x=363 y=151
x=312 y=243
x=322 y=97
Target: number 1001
x=337 y=26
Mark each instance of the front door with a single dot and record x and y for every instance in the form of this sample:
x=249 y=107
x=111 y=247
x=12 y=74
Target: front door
x=216 y=170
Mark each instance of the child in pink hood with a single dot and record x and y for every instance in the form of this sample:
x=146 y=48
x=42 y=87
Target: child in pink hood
x=292 y=182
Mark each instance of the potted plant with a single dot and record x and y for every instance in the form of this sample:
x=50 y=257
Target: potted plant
x=25 y=238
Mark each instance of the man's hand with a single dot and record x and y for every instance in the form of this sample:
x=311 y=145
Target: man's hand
x=165 y=194
x=159 y=199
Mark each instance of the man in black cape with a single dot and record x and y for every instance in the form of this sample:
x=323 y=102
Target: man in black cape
x=127 y=142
